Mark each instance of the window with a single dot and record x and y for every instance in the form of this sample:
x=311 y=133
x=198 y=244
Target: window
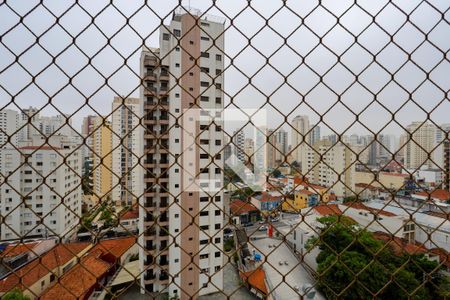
x=204 y=83
x=203 y=242
x=166 y=37
x=204 y=156
x=218 y=57
x=217 y=199
x=204 y=54
x=177 y=49
x=191 y=42
x=218 y=71
x=204 y=24
x=217 y=226
x=177 y=65
x=177 y=32
x=217 y=212
x=217 y=240
x=217 y=254
x=204 y=98
x=218 y=100
x=204 y=38
x=218 y=142
x=204 y=199
x=204 y=256
x=204 y=213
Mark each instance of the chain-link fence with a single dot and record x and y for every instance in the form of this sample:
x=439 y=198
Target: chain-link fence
x=239 y=150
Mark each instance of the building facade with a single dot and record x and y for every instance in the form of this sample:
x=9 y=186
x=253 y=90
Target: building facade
x=299 y=135
x=421 y=141
x=331 y=166
x=41 y=178
x=127 y=150
x=182 y=86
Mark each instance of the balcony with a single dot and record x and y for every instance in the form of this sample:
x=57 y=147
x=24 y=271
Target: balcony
x=150 y=163
x=150 y=76
x=164 y=76
x=149 y=277
x=150 y=91
x=150 y=232
x=150 y=120
x=150 y=61
x=163 y=276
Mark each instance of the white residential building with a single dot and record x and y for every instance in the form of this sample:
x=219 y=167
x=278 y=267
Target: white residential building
x=299 y=137
x=42 y=194
x=127 y=147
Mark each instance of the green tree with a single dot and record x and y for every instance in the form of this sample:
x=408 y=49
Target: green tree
x=352 y=264
x=15 y=294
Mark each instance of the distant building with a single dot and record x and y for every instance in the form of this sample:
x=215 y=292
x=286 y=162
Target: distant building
x=238 y=145
x=31 y=208
x=420 y=143
x=267 y=201
x=330 y=166
x=102 y=174
x=127 y=145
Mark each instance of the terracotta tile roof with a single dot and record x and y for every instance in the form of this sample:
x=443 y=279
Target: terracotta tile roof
x=239 y=207
x=38 y=268
x=444 y=256
x=358 y=205
x=131 y=214
x=306 y=192
x=327 y=210
x=367 y=186
x=316 y=186
x=17 y=249
x=256 y=279
x=81 y=280
x=398 y=245
x=117 y=247
x=439 y=194
x=267 y=197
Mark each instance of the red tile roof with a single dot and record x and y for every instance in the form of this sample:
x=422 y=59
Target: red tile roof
x=117 y=247
x=367 y=186
x=306 y=192
x=395 y=174
x=444 y=256
x=328 y=209
x=29 y=274
x=398 y=245
x=358 y=205
x=17 y=249
x=439 y=194
x=131 y=214
x=256 y=279
x=267 y=197
x=239 y=207
x=79 y=281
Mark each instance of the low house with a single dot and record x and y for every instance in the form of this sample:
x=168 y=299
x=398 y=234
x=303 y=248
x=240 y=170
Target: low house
x=243 y=212
x=94 y=270
x=367 y=191
x=129 y=221
x=302 y=199
x=267 y=201
x=36 y=276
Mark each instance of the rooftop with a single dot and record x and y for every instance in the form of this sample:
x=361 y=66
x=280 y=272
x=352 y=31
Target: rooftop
x=328 y=209
x=239 y=207
x=13 y=250
x=439 y=194
x=29 y=274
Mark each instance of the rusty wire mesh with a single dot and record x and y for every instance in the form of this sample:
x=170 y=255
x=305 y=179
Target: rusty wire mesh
x=365 y=67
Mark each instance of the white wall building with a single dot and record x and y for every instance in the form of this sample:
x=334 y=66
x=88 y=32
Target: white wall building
x=127 y=147
x=299 y=135
x=42 y=195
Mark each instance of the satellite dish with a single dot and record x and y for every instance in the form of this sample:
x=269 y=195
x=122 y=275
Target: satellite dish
x=309 y=291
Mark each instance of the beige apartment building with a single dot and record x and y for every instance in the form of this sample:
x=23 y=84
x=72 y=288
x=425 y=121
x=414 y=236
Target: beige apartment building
x=335 y=169
x=101 y=145
x=420 y=141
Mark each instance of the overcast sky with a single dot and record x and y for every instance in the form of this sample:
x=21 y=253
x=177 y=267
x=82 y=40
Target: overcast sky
x=290 y=41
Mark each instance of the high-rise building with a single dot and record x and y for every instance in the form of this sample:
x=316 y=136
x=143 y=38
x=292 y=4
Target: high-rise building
x=182 y=85
x=41 y=178
x=249 y=151
x=238 y=145
x=331 y=166
x=314 y=136
x=421 y=141
x=8 y=127
x=101 y=158
x=300 y=135
x=446 y=164
x=127 y=147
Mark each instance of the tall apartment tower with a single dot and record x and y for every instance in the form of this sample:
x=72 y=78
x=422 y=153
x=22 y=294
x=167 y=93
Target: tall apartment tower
x=41 y=178
x=101 y=158
x=337 y=161
x=181 y=224
x=8 y=127
x=315 y=135
x=421 y=141
x=127 y=146
x=238 y=145
x=300 y=129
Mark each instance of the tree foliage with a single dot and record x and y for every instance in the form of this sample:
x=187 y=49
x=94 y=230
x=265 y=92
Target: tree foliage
x=15 y=294
x=352 y=264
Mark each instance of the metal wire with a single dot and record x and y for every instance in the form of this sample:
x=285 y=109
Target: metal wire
x=382 y=52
